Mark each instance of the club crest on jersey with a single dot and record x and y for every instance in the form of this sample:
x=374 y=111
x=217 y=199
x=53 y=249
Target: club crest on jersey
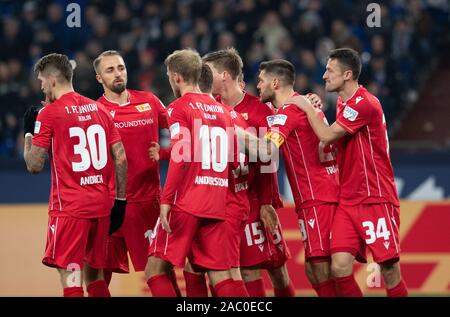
x=174 y=129
x=113 y=113
x=279 y=119
x=143 y=107
x=245 y=115
x=350 y=114
x=37 y=127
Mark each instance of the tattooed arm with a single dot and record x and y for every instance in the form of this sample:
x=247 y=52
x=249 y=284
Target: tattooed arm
x=121 y=168
x=34 y=155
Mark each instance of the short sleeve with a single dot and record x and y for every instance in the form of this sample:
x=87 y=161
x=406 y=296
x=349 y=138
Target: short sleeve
x=43 y=128
x=162 y=114
x=282 y=124
x=354 y=117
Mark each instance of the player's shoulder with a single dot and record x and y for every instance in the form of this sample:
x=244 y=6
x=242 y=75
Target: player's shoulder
x=364 y=98
x=141 y=95
x=256 y=103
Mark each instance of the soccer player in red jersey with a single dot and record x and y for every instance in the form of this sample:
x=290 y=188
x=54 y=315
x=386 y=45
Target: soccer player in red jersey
x=237 y=206
x=138 y=116
x=193 y=203
x=261 y=248
x=310 y=167
x=368 y=215
x=79 y=137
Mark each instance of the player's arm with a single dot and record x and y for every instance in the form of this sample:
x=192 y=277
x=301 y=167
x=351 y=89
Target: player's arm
x=326 y=134
x=34 y=156
x=263 y=149
x=121 y=168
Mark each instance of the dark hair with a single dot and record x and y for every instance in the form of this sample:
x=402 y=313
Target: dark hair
x=97 y=61
x=57 y=64
x=349 y=59
x=280 y=68
x=206 y=79
x=228 y=60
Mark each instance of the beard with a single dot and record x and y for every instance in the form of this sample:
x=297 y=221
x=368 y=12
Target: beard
x=267 y=96
x=118 y=88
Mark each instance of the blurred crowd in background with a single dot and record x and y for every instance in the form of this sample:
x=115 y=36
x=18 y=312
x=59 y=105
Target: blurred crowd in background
x=397 y=56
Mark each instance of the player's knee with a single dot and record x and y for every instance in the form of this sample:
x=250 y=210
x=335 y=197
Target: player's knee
x=341 y=267
x=391 y=273
x=156 y=266
x=321 y=271
x=250 y=274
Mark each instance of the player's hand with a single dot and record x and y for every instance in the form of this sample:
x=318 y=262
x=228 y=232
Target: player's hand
x=117 y=215
x=315 y=100
x=163 y=215
x=153 y=151
x=29 y=119
x=300 y=101
x=269 y=217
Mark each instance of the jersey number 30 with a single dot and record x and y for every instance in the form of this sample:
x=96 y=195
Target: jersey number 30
x=91 y=147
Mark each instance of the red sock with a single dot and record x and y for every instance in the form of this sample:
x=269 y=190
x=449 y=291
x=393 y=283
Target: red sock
x=107 y=276
x=161 y=286
x=211 y=289
x=256 y=288
x=226 y=288
x=195 y=284
x=173 y=279
x=73 y=292
x=347 y=287
x=98 y=288
x=325 y=289
x=398 y=291
x=240 y=288
x=288 y=291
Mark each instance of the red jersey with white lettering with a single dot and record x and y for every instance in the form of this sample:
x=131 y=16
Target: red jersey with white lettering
x=77 y=132
x=263 y=187
x=197 y=179
x=366 y=174
x=310 y=167
x=238 y=205
x=138 y=122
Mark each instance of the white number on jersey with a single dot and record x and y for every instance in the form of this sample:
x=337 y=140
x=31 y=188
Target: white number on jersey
x=93 y=151
x=381 y=232
x=214 y=141
x=254 y=234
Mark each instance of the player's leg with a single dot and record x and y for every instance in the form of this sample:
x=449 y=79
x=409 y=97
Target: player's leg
x=315 y=227
x=95 y=260
x=169 y=250
x=206 y=255
x=236 y=228
x=281 y=282
x=345 y=246
x=65 y=249
x=384 y=245
x=254 y=282
x=195 y=282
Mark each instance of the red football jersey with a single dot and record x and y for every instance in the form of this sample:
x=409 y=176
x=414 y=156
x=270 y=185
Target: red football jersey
x=238 y=204
x=263 y=186
x=366 y=174
x=201 y=133
x=138 y=122
x=77 y=132
x=310 y=167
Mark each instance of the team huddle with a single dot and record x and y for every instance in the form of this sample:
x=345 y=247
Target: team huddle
x=217 y=213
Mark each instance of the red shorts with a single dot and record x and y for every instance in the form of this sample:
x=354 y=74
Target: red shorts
x=315 y=227
x=73 y=241
x=200 y=238
x=133 y=237
x=259 y=251
x=367 y=225
x=235 y=231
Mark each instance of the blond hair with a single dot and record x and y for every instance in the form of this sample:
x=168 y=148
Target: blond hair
x=186 y=63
